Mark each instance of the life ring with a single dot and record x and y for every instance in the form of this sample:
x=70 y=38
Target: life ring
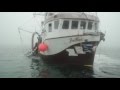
x=39 y=38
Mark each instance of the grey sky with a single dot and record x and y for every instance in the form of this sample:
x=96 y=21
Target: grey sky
x=110 y=22
x=10 y=21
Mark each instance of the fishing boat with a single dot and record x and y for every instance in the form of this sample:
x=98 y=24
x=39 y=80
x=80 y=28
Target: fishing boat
x=69 y=38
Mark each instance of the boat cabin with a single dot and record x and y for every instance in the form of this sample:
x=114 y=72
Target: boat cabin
x=70 y=21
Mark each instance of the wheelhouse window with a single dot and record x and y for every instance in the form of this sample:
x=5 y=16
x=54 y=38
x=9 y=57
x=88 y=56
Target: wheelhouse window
x=96 y=26
x=74 y=25
x=83 y=25
x=65 y=24
x=56 y=24
x=90 y=25
x=50 y=27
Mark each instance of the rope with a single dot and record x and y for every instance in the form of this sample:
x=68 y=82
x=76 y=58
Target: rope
x=27 y=21
x=20 y=36
x=37 y=23
x=19 y=29
x=24 y=30
x=21 y=41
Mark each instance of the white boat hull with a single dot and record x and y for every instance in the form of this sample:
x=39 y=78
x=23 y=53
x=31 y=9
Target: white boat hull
x=58 y=45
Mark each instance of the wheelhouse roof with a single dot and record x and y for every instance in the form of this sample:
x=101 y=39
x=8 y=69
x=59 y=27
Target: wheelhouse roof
x=70 y=15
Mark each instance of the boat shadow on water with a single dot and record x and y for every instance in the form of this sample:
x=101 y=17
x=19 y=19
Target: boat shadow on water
x=40 y=69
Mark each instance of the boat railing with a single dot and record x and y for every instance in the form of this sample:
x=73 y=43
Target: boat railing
x=91 y=13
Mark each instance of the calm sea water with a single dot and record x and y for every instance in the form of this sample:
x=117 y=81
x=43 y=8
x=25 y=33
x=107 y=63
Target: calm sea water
x=14 y=64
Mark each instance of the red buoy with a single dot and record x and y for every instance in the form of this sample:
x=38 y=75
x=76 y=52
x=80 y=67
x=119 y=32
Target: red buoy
x=42 y=47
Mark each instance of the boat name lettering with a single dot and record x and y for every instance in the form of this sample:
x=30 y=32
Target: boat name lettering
x=75 y=39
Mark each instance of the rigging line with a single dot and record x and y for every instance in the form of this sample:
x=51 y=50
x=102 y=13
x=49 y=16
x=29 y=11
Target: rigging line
x=38 y=23
x=21 y=40
x=20 y=35
x=20 y=29
x=27 y=21
x=40 y=14
x=100 y=53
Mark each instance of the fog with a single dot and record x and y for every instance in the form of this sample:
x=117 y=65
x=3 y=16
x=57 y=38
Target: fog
x=110 y=22
x=10 y=21
x=9 y=24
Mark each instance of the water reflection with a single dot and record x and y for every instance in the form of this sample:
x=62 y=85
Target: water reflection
x=44 y=70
